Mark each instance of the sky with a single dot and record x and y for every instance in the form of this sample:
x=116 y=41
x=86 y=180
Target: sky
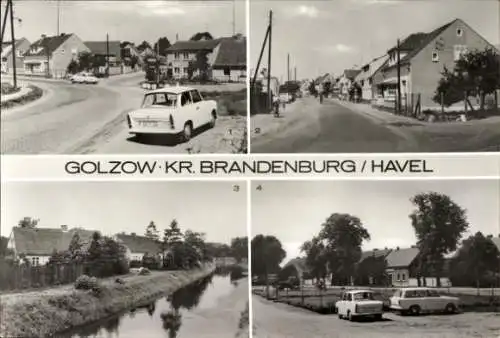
x=133 y=21
x=293 y=211
x=112 y=207
x=332 y=35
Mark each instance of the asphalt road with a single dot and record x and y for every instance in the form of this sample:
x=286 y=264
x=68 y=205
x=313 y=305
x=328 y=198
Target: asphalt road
x=78 y=119
x=331 y=127
x=279 y=320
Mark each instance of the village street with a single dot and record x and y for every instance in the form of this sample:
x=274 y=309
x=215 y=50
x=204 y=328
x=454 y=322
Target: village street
x=307 y=126
x=281 y=320
x=74 y=119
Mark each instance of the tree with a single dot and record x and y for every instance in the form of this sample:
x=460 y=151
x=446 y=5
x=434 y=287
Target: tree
x=162 y=45
x=75 y=247
x=151 y=231
x=372 y=270
x=267 y=254
x=173 y=233
x=73 y=67
x=143 y=46
x=28 y=223
x=201 y=36
x=239 y=248
x=4 y=251
x=475 y=73
x=196 y=240
x=316 y=258
x=476 y=263
x=439 y=224
x=200 y=65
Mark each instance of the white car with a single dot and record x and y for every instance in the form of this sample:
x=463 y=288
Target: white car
x=172 y=110
x=84 y=78
x=359 y=303
x=417 y=300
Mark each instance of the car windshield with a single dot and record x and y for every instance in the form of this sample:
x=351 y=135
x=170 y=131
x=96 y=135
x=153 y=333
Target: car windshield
x=363 y=296
x=160 y=99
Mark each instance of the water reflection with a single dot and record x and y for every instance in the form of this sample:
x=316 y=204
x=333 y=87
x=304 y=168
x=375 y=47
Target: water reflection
x=167 y=315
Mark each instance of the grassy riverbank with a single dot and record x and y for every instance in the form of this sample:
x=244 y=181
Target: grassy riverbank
x=42 y=314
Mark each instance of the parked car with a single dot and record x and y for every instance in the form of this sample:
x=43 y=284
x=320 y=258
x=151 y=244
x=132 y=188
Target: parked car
x=359 y=303
x=84 y=78
x=172 y=110
x=417 y=300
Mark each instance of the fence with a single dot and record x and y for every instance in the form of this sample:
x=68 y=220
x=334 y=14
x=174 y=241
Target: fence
x=17 y=277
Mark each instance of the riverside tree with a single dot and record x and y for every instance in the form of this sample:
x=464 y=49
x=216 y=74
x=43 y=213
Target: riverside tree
x=239 y=248
x=439 y=224
x=477 y=262
x=343 y=235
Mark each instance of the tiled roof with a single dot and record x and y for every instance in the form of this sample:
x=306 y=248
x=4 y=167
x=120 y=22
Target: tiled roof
x=139 y=244
x=99 y=47
x=351 y=73
x=414 y=43
x=232 y=52
x=401 y=257
x=374 y=253
x=43 y=241
x=50 y=42
x=181 y=46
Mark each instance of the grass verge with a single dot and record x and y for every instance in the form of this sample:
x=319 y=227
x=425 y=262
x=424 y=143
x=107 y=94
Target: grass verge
x=33 y=95
x=46 y=314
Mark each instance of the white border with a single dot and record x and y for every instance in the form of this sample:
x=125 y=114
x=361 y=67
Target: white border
x=249 y=234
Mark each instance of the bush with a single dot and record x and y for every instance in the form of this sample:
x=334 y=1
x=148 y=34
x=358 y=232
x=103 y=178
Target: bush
x=85 y=282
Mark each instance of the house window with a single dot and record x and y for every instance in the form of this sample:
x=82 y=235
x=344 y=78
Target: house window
x=74 y=51
x=177 y=70
x=185 y=70
x=186 y=56
x=399 y=277
x=362 y=83
x=460 y=32
x=435 y=56
x=35 y=261
x=227 y=71
x=176 y=55
x=403 y=277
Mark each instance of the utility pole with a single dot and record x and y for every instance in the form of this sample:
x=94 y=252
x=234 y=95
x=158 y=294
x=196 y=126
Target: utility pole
x=234 y=18
x=13 y=41
x=4 y=23
x=158 y=63
x=398 y=102
x=107 y=54
x=288 y=67
x=269 y=93
x=58 y=16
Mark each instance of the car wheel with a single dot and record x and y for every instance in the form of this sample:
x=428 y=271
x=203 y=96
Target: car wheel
x=349 y=316
x=213 y=119
x=451 y=308
x=414 y=310
x=187 y=132
x=340 y=315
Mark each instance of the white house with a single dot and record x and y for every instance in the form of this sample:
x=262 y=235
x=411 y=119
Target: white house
x=365 y=77
x=138 y=246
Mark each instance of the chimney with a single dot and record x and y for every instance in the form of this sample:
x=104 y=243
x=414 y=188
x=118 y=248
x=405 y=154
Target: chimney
x=64 y=227
x=397 y=248
x=375 y=249
x=133 y=234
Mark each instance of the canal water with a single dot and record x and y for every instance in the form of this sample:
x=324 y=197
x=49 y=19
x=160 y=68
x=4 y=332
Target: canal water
x=173 y=316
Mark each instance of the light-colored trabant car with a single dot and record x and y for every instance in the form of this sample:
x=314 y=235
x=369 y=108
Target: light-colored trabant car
x=172 y=110
x=359 y=303
x=417 y=300
x=85 y=78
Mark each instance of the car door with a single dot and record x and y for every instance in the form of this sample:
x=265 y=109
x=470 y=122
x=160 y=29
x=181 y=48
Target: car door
x=340 y=304
x=187 y=112
x=201 y=116
x=434 y=300
x=423 y=300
